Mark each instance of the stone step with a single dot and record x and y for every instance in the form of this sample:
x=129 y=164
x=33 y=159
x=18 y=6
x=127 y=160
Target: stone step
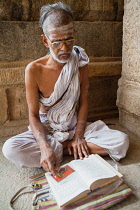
x=12 y=73
x=103 y=69
x=14 y=127
x=103 y=114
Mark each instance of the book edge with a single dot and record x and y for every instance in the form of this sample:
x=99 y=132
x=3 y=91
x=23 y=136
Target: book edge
x=108 y=165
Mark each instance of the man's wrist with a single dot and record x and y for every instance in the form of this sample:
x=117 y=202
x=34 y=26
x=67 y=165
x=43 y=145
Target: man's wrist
x=79 y=132
x=43 y=144
x=79 y=135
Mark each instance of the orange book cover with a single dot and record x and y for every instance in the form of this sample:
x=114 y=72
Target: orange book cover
x=64 y=172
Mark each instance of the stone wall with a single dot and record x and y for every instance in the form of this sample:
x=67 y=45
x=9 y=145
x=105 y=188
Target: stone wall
x=98 y=25
x=83 y=10
x=129 y=84
x=21 y=40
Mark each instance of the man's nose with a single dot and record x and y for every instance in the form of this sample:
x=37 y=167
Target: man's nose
x=64 y=47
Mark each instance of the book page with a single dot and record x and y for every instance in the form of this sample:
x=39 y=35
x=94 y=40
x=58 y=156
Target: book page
x=91 y=169
x=108 y=165
x=66 y=189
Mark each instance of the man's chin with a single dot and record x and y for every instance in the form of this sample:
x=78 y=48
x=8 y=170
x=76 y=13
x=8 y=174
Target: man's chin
x=64 y=58
x=61 y=58
x=63 y=61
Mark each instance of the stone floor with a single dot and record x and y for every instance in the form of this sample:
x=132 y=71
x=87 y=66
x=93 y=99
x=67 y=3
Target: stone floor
x=13 y=178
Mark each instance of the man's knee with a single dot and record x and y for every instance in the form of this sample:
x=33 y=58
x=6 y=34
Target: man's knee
x=14 y=150
x=9 y=149
x=22 y=152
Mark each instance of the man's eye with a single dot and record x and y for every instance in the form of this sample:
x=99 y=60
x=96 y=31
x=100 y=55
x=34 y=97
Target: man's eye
x=56 y=44
x=69 y=42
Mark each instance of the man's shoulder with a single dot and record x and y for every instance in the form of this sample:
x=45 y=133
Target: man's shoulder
x=36 y=64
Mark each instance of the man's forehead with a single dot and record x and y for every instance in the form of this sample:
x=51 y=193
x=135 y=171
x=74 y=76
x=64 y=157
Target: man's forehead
x=61 y=32
x=68 y=28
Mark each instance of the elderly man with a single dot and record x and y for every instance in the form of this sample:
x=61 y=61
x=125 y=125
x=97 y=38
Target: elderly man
x=57 y=97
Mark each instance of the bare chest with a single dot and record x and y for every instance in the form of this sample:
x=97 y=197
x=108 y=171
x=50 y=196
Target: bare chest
x=47 y=80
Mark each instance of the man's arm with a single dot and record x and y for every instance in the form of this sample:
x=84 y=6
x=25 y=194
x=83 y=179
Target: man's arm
x=47 y=154
x=79 y=144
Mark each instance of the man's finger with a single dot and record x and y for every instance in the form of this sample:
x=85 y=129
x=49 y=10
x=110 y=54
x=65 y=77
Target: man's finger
x=80 y=152
x=45 y=166
x=51 y=167
x=85 y=151
x=69 y=150
x=57 y=163
x=75 y=153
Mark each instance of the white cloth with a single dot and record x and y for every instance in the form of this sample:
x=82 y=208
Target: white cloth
x=115 y=142
x=62 y=117
x=24 y=151
x=66 y=92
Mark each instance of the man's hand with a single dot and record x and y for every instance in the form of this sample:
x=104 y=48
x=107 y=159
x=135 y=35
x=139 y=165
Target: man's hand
x=79 y=147
x=49 y=161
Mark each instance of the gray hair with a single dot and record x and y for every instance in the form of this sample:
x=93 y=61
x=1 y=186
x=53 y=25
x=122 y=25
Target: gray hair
x=64 y=15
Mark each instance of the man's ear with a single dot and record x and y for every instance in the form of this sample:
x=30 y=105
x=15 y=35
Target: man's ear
x=44 y=40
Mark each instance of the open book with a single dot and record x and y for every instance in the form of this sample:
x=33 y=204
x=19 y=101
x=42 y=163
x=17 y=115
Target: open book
x=80 y=177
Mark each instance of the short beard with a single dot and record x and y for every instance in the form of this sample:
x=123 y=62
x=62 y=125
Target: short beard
x=56 y=58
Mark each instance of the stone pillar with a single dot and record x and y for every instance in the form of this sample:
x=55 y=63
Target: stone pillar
x=128 y=99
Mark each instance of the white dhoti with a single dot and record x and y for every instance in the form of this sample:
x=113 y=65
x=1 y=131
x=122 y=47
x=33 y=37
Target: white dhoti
x=24 y=151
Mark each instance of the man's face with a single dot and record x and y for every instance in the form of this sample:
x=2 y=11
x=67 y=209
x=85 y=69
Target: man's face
x=61 y=41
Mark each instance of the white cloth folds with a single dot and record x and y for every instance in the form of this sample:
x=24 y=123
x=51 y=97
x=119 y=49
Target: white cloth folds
x=62 y=118
x=66 y=92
